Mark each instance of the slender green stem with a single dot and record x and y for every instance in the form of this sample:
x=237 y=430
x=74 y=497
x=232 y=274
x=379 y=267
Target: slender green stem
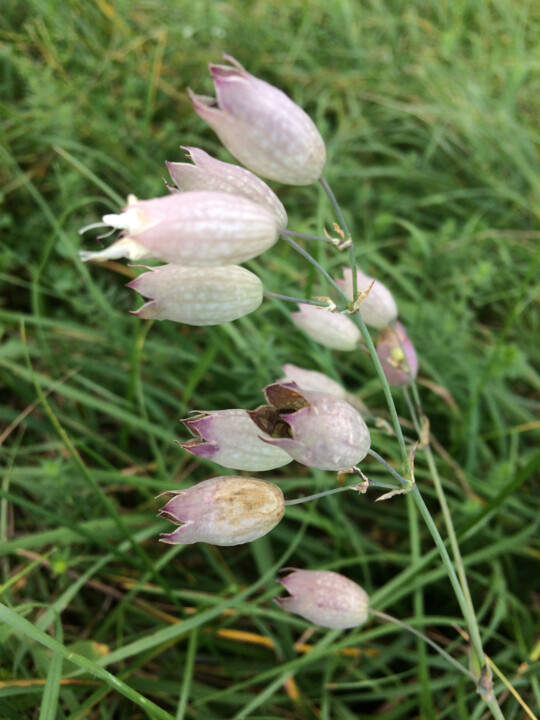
x=343 y=224
x=333 y=491
x=305 y=236
x=402 y=481
x=311 y=259
x=458 y=560
x=288 y=298
x=389 y=618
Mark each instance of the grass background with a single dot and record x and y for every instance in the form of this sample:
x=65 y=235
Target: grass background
x=430 y=114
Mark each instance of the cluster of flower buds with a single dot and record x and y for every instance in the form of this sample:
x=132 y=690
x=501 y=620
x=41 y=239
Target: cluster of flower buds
x=218 y=214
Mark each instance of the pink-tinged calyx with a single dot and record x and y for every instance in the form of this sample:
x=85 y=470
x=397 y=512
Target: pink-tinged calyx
x=314 y=380
x=397 y=355
x=325 y=598
x=227 y=510
x=197 y=296
x=194 y=229
x=317 y=429
x=332 y=330
x=262 y=127
x=230 y=438
x=207 y=173
x=378 y=309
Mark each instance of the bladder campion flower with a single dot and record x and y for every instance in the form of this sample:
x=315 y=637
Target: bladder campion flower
x=227 y=510
x=196 y=229
x=329 y=329
x=325 y=598
x=230 y=438
x=197 y=296
x=262 y=127
x=397 y=355
x=317 y=429
x=207 y=173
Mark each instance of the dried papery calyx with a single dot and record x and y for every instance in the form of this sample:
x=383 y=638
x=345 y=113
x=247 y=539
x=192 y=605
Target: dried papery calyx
x=227 y=510
x=262 y=127
x=207 y=173
x=197 y=296
x=378 y=308
x=194 y=229
x=230 y=438
x=397 y=355
x=332 y=330
x=325 y=598
x=317 y=429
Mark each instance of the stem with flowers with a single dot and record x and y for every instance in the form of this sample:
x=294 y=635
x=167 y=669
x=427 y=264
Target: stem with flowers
x=218 y=216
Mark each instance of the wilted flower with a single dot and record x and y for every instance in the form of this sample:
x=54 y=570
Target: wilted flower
x=198 y=296
x=325 y=598
x=197 y=229
x=207 y=173
x=378 y=308
x=329 y=329
x=316 y=429
x=230 y=438
x=262 y=127
x=397 y=355
x=314 y=380
x=227 y=510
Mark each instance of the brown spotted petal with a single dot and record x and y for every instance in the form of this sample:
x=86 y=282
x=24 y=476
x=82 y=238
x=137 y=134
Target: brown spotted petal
x=227 y=510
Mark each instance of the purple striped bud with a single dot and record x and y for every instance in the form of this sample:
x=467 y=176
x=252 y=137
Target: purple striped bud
x=227 y=510
x=329 y=329
x=262 y=127
x=230 y=438
x=207 y=173
x=196 y=229
x=325 y=598
x=397 y=355
x=378 y=308
x=197 y=296
x=317 y=429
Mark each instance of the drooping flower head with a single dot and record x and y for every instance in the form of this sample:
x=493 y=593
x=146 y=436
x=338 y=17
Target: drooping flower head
x=197 y=296
x=317 y=429
x=329 y=329
x=262 y=127
x=207 y=173
x=230 y=438
x=325 y=598
x=226 y=510
x=195 y=229
x=314 y=380
x=378 y=308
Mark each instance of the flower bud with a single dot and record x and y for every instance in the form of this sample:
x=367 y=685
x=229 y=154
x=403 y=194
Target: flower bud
x=207 y=173
x=378 y=308
x=196 y=229
x=230 y=438
x=197 y=296
x=227 y=510
x=397 y=355
x=317 y=429
x=262 y=127
x=325 y=598
x=329 y=329
x=313 y=380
